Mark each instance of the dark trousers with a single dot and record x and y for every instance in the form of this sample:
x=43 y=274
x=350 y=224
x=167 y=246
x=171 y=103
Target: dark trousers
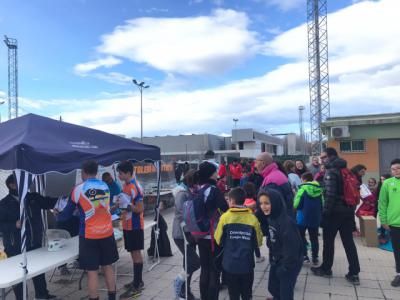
x=313 y=233
x=281 y=283
x=257 y=252
x=39 y=282
x=193 y=260
x=209 y=275
x=395 y=236
x=343 y=224
x=240 y=286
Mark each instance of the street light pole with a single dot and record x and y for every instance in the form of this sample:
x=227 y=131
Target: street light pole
x=235 y=121
x=141 y=86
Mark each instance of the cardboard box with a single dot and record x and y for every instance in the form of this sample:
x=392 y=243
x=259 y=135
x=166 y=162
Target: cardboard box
x=368 y=231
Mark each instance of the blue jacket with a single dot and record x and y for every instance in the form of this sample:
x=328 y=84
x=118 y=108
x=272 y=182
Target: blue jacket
x=239 y=233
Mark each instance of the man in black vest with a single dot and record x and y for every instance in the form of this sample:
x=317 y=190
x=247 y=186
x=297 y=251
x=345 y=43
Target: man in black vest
x=10 y=226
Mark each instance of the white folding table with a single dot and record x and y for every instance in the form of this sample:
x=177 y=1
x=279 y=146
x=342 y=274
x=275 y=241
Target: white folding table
x=39 y=261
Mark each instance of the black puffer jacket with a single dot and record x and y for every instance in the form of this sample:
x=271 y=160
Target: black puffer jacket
x=9 y=215
x=334 y=203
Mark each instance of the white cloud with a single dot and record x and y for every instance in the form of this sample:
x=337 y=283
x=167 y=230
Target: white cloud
x=364 y=66
x=107 y=62
x=113 y=77
x=192 y=45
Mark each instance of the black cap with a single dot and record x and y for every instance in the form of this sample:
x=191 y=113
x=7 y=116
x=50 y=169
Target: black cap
x=206 y=170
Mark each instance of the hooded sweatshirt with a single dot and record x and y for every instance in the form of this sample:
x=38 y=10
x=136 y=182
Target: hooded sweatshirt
x=284 y=241
x=308 y=202
x=181 y=194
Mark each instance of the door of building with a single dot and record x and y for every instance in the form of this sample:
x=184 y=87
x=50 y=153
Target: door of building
x=388 y=150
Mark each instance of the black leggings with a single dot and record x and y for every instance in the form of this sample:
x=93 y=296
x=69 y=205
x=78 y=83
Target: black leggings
x=209 y=275
x=193 y=259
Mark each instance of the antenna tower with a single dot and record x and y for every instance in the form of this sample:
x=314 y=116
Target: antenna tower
x=12 y=77
x=301 y=125
x=318 y=70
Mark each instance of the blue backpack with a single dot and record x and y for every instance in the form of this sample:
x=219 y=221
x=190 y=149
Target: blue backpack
x=197 y=221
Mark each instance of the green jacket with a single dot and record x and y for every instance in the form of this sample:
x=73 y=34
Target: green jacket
x=389 y=202
x=313 y=189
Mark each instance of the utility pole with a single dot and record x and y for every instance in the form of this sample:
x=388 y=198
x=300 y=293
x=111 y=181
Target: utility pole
x=12 y=46
x=141 y=86
x=318 y=70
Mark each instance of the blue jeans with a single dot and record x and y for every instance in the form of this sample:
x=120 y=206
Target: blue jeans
x=282 y=281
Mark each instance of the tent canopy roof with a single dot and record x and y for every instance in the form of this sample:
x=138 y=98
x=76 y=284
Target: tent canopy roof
x=39 y=145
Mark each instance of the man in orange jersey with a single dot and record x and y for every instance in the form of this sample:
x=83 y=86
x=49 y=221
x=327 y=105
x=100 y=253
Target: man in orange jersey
x=133 y=225
x=97 y=246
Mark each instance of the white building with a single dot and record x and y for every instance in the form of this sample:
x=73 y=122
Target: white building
x=251 y=143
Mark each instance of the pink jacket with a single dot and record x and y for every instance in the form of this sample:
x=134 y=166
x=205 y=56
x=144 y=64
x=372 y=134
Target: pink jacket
x=272 y=174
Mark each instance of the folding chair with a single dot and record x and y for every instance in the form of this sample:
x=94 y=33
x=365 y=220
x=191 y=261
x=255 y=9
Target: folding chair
x=52 y=234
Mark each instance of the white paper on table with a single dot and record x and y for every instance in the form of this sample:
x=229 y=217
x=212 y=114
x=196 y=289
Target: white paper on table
x=61 y=203
x=364 y=191
x=124 y=200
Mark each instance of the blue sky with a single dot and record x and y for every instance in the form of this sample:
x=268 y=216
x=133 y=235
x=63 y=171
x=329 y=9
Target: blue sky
x=207 y=61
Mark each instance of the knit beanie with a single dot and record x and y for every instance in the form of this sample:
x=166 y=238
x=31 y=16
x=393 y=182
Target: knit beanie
x=206 y=170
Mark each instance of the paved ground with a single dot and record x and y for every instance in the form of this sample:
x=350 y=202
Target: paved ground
x=377 y=272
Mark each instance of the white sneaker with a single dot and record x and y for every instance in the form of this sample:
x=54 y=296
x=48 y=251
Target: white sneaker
x=260 y=259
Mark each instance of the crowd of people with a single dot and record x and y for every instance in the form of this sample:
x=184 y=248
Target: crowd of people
x=244 y=201
x=219 y=224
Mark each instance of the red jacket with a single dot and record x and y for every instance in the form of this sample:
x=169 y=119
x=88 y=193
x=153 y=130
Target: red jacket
x=236 y=171
x=222 y=171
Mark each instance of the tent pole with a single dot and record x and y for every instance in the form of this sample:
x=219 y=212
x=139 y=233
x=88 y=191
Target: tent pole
x=24 y=180
x=157 y=212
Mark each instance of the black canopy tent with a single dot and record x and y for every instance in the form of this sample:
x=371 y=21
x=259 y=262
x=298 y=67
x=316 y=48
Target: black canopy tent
x=33 y=145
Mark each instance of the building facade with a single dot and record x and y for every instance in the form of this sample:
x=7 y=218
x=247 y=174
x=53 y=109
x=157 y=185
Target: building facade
x=251 y=143
x=244 y=143
x=371 y=140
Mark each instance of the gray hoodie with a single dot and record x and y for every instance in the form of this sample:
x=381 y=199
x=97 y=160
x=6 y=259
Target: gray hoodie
x=181 y=194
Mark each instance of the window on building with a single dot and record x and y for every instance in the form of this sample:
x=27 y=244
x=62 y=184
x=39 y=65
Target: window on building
x=240 y=145
x=262 y=147
x=352 y=146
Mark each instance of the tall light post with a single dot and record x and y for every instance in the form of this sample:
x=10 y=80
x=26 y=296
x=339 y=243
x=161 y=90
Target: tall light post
x=235 y=121
x=141 y=86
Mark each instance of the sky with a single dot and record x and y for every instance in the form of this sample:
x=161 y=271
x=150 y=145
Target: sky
x=207 y=62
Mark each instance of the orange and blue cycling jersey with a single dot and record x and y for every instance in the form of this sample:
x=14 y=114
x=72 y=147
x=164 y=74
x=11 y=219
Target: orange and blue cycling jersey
x=93 y=200
x=131 y=220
